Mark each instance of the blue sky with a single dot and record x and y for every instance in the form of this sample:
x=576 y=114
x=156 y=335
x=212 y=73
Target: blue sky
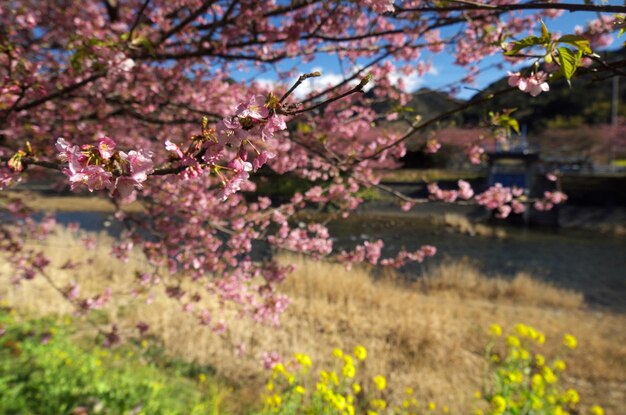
x=444 y=70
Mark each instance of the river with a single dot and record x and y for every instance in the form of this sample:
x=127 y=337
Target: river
x=588 y=262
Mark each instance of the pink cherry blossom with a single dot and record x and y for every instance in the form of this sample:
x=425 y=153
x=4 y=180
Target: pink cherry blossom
x=106 y=146
x=255 y=108
x=534 y=84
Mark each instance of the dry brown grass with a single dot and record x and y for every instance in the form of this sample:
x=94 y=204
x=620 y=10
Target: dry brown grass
x=462 y=280
x=463 y=224
x=429 y=175
x=429 y=335
x=85 y=203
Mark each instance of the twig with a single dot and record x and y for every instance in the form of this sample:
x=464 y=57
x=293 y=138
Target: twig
x=301 y=79
x=137 y=19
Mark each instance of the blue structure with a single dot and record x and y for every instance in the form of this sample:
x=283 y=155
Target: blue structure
x=514 y=165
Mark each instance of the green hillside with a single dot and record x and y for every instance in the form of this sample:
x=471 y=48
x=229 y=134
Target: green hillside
x=588 y=101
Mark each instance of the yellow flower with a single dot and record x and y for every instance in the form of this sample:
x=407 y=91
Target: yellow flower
x=532 y=333
x=279 y=368
x=337 y=353
x=549 y=375
x=478 y=412
x=378 y=403
x=559 y=365
x=380 y=381
x=201 y=378
x=299 y=390
x=596 y=410
x=348 y=371
x=372 y=413
x=498 y=403
x=432 y=406
x=572 y=396
x=540 y=360
x=303 y=359
x=477 y=395
x=408 y=391
x=495 y=330
x=516 y=377
x=513 y=341
x=339 y=401
x=522 y=330
x=570 y=341
x=523 y=354
x=275 y=400
x=356 y=388
x=541 y=338
x=360 y=352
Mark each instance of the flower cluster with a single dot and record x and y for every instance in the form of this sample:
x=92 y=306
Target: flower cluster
x=526 y=382
x=432 y=146
x=101 y=167
x=465 y=192
x=550 y=199
x=503 y=200
x=371 y=251
x=475 y=153
x=340 y=390
x=534 y=84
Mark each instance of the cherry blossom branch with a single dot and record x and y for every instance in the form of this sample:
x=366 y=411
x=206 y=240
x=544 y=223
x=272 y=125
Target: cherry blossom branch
x=471 y=6
x=358 y=88
x=62 y=92
x=301 y=79
x=142 y=9
x=192 y=16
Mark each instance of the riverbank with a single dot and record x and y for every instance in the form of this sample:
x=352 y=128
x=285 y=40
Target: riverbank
x=609 y=220
x=587 y=261
x=428 y=334
x=470 y=219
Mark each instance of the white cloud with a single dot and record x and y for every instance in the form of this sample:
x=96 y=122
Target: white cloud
x=265 y=83
x=410 y=82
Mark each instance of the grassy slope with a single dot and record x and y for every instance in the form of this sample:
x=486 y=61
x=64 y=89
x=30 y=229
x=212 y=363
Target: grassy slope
x=428 y=335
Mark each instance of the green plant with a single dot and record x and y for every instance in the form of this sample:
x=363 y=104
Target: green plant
x=520 y=381
x=44 y=371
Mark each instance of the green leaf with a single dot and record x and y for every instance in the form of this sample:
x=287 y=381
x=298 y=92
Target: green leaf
x=545 y=33
x=509 y=123
x=304 y=128
x=568 y=60
x=514 y=125
x=527 y=42
x=580 y=42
